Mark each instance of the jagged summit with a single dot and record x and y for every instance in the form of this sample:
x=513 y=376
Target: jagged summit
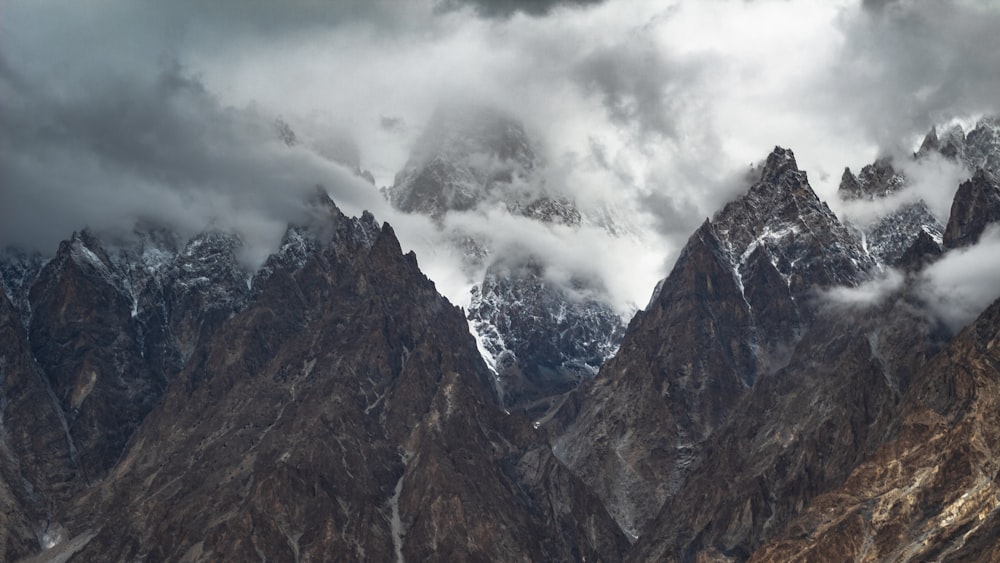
x=779 y=162
x=979 y=148
x=540 y=340
x=738 y=299
x=875 y=180
x=781 y=212
x=890 y=239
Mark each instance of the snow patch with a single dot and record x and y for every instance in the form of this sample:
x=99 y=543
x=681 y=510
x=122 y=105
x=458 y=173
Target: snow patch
x=395 y=521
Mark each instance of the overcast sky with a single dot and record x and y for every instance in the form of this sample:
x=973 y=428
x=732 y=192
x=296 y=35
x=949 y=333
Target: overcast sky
x=115 y=110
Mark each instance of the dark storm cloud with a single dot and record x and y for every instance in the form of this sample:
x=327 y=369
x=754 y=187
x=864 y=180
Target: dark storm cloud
x=390 y=123
x=638 y=86
x=909 y=65
x=507 y=8
x=157 y=148
x=647 y=109
x=877 y=5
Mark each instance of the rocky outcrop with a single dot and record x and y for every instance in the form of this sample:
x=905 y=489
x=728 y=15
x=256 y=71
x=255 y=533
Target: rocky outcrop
x=910 y=228
x=891 y=237
x=344 y=411
x=925 y=249
x=976 y=206
x=188 y=297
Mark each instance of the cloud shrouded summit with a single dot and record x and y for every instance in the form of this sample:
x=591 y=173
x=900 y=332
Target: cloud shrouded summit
x=117 y=112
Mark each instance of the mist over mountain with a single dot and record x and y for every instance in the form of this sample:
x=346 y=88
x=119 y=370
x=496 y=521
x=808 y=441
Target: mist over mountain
x=464 y=280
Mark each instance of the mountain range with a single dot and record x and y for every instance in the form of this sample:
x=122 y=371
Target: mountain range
x=787 y=394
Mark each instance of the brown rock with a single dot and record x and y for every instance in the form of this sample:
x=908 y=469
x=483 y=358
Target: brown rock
x=344 y=413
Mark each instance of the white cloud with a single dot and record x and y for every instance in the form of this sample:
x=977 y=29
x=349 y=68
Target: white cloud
x=964 y=282
x=869 y=293
x=657 y=108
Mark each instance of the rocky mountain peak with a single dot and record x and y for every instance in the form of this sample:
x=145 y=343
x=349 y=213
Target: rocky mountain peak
x=809 y=245
x=779 y=162
x=949 y=143
x=979 y=148
x=875 y=180
x=540 y=340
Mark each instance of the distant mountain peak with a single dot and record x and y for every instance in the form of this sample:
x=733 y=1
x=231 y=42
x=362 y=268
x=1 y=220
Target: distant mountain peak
x=875 y=180
x=977 y=148
x=467 y=155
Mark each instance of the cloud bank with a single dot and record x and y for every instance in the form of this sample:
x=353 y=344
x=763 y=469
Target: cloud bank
x=118 y=111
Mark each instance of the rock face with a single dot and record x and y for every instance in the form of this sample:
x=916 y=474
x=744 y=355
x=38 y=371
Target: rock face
x=980 y=148
x=976 y=205
x=683 y=362
x=541 y=339
x=798 y=433
x=544 y=342
x=37 y=462
x=731 y=311
x=188 y=297
x=895 y=235
x=91 y=338
x=86 y=341
x=890 y=238
x=876 y=180
x=930 y=494
x=799 y=438
x=344 y=411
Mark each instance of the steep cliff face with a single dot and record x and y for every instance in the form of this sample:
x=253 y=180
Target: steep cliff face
x=976 y=206
x=345 y=410
x=187 y=297
x=85 y=339
x=802 y=430
x=36 y=459
x=930 y=494
x=683 y=362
